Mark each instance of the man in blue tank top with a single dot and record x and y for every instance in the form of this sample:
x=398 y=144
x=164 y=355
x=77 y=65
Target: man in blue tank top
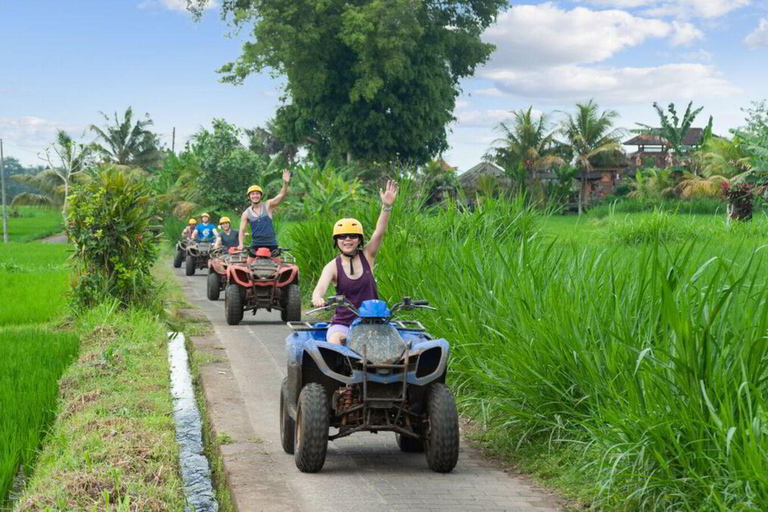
x=259 y=215
x=205 y=231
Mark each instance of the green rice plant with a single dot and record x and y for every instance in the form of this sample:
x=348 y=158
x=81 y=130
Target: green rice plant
x=28 y=392
x=28 y=223
x=699 y=206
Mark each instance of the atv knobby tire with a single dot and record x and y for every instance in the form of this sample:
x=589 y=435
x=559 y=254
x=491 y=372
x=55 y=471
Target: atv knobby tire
x=190 y=265
x=312 y=422
x=233 y=304
x=441 y=445
x=214 y=285
x=178 y=259
x=291 y=311
x=287 y=424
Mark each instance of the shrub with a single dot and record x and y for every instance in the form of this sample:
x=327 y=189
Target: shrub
x=657 y=227
x=111 y=221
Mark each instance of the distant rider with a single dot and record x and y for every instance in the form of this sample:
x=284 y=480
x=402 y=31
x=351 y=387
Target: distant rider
x=228 y=237
x=206 y=231
x=259 y=215
x=352 y=271
x=189 y=230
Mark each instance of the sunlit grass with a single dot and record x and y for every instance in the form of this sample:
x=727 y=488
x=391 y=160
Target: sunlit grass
x=30 y=223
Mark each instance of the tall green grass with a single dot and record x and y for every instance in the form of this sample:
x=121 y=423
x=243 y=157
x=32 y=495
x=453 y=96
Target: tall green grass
x=33 y=359
x=646 y=360
x=29 y=223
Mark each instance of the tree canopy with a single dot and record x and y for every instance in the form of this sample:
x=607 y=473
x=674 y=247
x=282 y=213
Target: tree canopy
x=373 y=79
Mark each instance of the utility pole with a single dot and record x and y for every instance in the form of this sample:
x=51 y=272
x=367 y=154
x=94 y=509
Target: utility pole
x=2 y=186
x=173 y=141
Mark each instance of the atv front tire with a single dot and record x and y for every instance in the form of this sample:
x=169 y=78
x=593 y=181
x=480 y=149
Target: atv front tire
x=291 y=311
x=214 y=285
x=233 y=304
x=287 y=424
x=190 y=265
x=312 y=422
x=441 y=445
x=178 y=258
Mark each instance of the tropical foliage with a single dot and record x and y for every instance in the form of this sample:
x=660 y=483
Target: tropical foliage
x=128 y=143
x=374 y=81
x=673 y=129
x=115 y=231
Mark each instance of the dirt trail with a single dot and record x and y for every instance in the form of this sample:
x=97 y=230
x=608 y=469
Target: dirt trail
x=362 y=472
x=61 y=238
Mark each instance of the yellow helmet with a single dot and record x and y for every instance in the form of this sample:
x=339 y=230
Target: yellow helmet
x=206 y=215
x=348 y=227
x=224 y=219
x=254 y=188
x=192 y=222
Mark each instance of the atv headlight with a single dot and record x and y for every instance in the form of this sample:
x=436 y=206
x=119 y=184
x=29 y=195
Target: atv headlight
x=381 y=343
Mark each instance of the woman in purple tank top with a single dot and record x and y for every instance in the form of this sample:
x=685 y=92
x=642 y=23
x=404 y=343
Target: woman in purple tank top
x=352 y=271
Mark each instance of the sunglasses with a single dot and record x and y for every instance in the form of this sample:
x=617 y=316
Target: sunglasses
x=345 y=237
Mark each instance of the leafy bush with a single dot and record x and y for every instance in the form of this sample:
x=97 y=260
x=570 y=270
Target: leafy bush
x=111 y=221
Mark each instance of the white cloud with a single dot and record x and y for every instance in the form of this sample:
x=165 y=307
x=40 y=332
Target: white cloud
x=174 y=5
x=616 y=85
x=759 y=36
x=481 y=118
x=685 y=34
x=699 y=55
x=491 y=92
x=32 y=135
x=685 y=9
x=545 y=35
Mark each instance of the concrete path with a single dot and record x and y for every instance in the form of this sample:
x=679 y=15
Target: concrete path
x=61 y=238
x=362 y=472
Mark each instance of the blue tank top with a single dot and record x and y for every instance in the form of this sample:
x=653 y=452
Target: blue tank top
x=205 y=232
x=262 y=229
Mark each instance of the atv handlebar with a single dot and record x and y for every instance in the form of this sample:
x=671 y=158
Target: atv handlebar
x=407 y=304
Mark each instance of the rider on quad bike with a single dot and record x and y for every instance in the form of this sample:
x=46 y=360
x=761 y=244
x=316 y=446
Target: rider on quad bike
x=189 y=229
x=181 y=246
x=259 y=215
x=352 y=270
x=206 y=231
x=228 y=237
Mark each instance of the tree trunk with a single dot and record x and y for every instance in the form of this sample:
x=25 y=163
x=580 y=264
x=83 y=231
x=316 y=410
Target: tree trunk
x=582 y=191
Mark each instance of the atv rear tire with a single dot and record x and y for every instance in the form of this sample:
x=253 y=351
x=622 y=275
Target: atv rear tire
x=409 y=444
x=233 y=304
x=441 y=445
x=287 y=424
x=214 y=285
x=312 y=422
x=291 y=311
x=190 y=265
x=178 y=258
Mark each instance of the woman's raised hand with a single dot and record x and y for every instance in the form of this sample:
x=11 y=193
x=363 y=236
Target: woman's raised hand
x=389 y=195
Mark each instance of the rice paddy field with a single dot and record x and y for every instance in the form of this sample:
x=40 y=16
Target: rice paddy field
x=33 y=352
x=623 y=357
x=27 y=223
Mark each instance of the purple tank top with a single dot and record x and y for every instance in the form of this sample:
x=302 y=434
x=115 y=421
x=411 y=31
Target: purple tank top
x=355 y=290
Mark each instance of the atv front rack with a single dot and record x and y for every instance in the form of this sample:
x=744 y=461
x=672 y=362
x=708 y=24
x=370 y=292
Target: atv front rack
x=406 y=325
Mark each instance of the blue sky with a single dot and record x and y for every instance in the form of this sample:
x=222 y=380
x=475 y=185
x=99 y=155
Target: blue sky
x=63 y=62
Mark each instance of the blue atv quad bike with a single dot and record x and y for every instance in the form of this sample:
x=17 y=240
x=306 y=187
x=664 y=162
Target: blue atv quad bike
x=389 y=376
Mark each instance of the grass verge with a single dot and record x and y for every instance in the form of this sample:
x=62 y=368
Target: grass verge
x=113 y=444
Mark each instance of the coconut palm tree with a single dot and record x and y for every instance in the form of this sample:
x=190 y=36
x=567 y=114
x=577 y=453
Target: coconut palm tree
x=526 y=144
x=127 y=143
x=589 y=133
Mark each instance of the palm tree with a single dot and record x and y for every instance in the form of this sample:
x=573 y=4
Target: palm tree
x=67 y=162
x=525 y=145
x=127 y=143
x=589 y=133
x=673 y=130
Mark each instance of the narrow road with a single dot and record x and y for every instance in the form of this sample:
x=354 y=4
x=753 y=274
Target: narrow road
x=362 y=472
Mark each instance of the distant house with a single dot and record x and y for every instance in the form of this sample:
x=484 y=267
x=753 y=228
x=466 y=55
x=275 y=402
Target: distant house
x=470 y=179
x=652 y=150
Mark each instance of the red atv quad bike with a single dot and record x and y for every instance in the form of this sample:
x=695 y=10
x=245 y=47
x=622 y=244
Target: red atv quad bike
x=267 y=280
x=217 y=269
